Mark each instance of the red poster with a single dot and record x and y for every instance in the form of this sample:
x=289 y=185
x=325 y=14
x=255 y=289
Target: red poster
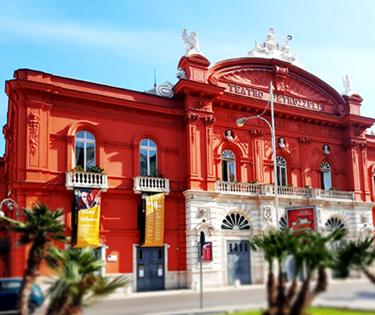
x=207 y=252
x=301 y=218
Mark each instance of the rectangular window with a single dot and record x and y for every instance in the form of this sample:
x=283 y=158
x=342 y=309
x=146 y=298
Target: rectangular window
x=143 y=155
x=232 y=171
x=80 y=158
x=153 y=165
x=90 y=149
x=326 y=180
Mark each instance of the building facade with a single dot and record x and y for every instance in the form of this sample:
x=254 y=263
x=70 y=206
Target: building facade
x=183 y=141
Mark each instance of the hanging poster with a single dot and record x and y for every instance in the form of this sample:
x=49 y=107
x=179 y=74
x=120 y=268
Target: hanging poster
x=86 y=217
x=207 y=252
x=154 y=231
x=301 y=218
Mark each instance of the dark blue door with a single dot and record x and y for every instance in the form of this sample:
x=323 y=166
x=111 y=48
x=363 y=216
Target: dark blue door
x=150 y=269
x=238 y=262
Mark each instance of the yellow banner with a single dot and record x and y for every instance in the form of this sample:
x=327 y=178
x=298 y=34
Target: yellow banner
x=154 y=232
x=88 y=227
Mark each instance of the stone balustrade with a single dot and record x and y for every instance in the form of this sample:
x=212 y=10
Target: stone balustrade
x=283 y=191
x=86 y=180
x=151 y=184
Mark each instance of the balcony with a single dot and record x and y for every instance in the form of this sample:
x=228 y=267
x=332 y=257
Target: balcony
x=151 y=184
x=86 y=180
x=285 y=192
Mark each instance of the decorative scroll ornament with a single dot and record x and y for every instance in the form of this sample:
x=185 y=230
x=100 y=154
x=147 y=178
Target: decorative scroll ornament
x=164 y=90
x=191 y=118
x=192 y=43
x=181 y=74
x=256 y=132
x=364 y=219
x=206 y=221
x=209 y=120
x=267 y=214
x=270 y=48
x=203 y=213
x=34 y=122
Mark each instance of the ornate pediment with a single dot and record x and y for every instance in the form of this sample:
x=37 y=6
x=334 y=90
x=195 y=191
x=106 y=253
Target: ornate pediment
x=292 y=86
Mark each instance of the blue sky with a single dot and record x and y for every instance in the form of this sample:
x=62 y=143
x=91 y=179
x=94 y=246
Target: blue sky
x=120 y=43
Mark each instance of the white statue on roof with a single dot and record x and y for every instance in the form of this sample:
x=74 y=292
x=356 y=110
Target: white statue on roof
x=348 y=83
x=192 y=43
x=270 y=48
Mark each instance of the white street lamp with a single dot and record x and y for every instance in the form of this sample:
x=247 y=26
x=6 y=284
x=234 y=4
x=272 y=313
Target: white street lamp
x=10 y=204
x=240 y=122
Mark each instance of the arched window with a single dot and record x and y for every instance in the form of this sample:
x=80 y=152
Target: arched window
x=229 y=166
x=85 y=149
x=325 y=171
x=281 y=171
x=235 y=222
x=334 y=224
x=283 y=224
x=148 y=158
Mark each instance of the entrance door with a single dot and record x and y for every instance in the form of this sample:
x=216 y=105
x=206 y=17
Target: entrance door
x=4 y=259
x=238 y=262
x=150 y=269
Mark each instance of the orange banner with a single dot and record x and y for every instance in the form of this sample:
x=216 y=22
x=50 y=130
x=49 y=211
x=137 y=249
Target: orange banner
x=154 y=234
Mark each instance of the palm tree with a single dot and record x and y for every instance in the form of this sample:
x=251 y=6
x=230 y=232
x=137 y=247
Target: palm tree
x=78 y=283
x=276 y=246
x=359 y=256
x=40 y=227
x=310 y=251
x=315 y=254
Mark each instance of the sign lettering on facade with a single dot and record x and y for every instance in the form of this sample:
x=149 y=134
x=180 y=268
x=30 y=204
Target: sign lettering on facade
x=277 y=98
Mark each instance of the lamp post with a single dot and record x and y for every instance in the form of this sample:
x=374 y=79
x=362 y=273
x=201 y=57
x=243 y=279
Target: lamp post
x=240 y=122
x=10 y=204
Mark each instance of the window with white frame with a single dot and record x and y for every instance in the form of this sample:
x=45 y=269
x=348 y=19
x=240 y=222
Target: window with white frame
x=281 y=171
x=228 y=166
x=85 y=149
x=325 y=172
x=148 y=158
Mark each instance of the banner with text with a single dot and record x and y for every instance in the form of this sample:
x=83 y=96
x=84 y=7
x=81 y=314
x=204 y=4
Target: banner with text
x=87 y=217
x=301 y=218
x=154 y=232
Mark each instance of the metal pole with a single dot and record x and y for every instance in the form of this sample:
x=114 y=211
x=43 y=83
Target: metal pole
x=274 y=158
x=201 y=274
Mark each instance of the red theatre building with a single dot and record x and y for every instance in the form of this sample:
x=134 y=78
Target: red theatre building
x=181 y=143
